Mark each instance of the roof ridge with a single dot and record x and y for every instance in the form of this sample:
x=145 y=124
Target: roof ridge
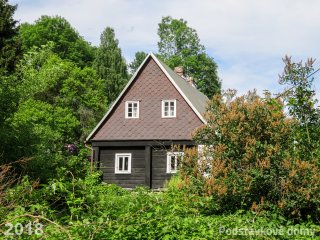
x=196 y=99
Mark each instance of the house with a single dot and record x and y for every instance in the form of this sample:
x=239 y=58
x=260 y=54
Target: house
x=157 y=109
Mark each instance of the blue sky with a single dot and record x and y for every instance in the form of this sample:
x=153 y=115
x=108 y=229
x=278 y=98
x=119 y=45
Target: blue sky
x=247 y=38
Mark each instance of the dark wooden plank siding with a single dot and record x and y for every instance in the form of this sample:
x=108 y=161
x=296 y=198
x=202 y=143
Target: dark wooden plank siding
x=159 y=168
x=148 y=169
x=107 y=166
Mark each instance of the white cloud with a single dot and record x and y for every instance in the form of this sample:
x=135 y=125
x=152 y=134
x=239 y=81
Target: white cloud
x=248 y=38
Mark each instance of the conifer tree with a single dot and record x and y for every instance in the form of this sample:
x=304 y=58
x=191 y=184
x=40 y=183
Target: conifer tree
x=9 y=44
x=110 y=64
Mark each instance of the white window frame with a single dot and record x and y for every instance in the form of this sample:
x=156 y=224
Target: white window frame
x=116 y=163
x=163 y=106
x=127 y=107
x=169 y=155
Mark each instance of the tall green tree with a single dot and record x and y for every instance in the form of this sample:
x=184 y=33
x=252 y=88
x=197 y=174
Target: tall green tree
x=9 y=43
x=9 y=99
x=68 y=44
x=301 y=100
x=180 y=45
x=9 y=57
x=59 y=104
x=48 y=78
x=138 y=59
x=110 y=65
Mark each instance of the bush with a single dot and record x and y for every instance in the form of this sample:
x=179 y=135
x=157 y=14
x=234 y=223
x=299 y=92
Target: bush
x=102 y=211
x=249 y=160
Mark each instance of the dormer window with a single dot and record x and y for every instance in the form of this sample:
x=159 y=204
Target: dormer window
x=169 y=108
x=132 y=109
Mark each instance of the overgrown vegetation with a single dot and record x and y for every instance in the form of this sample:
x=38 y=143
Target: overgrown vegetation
x=257 y=177
x=82 y=208
x=251 y=160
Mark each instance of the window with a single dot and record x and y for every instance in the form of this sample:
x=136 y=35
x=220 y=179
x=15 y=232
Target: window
x=123 y=163
x=168 y=108
x=173 y=160
x=132 y=109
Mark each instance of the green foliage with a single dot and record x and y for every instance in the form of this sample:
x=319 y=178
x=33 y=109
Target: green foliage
x=69 y=44
x=137 y=61
x=249 y=162
x=51 y=125
x=176 y=38
x=110 y=65
x=256 y=159
x=81 y=208
x=45 y=130
x=9 y=99
x=8 y=96
x=9 y=43
x=179 y=45
x=302 y=105
x=53 y=103
x=48 y=78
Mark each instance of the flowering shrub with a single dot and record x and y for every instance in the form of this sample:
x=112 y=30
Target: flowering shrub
x=248 y=161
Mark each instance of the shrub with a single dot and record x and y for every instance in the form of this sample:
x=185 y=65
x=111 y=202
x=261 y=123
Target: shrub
x=249 y=162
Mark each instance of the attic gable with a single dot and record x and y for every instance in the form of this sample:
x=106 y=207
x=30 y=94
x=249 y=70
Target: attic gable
x=178 y=85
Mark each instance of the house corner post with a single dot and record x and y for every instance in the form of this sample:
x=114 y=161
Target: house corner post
x=148 y=166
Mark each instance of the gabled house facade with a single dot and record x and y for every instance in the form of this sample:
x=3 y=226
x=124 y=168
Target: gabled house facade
x=156 y=110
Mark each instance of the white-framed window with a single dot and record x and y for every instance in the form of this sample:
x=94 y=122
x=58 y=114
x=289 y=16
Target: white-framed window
x=132 y=109
x=123 y=163
x=169 y=108
x=173 y=161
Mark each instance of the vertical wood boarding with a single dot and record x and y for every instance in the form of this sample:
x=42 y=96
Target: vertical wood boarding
x=137 y=175
x=148 y=165
x=159 y=168
x=148 y=159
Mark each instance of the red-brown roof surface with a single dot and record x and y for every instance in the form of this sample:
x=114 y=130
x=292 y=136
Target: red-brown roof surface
x=149 y=87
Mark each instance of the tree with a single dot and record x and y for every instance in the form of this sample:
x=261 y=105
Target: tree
x=9 y=43
x=68 y=44
x=110 y=65
x=43 y=130
x=179 y=45
x=58 y=104
x=9 y=56
x=9 y=99
x=137 y=61
x=48 y=78
x=302 y=106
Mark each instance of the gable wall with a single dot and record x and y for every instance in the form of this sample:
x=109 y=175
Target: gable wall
x=150 y=87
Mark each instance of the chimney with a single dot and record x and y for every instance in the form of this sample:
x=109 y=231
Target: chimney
x=190 y=81
x=179 y=71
